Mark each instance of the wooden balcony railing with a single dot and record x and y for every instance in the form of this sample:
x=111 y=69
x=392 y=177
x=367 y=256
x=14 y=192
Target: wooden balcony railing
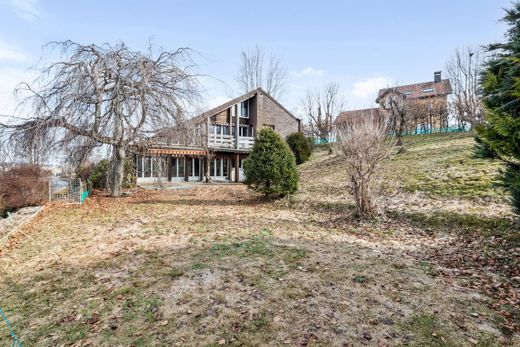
x=228 y=141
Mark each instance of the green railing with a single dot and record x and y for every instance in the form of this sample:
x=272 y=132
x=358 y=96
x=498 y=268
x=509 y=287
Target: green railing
x=87 y=191
x=436 y=131
x=16 y=340
x=319 y=141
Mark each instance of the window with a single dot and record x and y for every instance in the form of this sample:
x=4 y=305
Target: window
x=225 y=167
x=219 y=168
x=196 y=167
x=427 y=90
x=408 y=92
x=225 y=130
x=245 y=131
x=139 y=166
x=244 y=109
x=269 y=126
x=147 y=167
x=180 y=166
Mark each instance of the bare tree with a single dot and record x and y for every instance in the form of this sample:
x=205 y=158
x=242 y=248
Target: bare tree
x=258 y=70
x=365 y=140
x=464 y=70
x=397 y=107
x=321 y=108
x=108 y=94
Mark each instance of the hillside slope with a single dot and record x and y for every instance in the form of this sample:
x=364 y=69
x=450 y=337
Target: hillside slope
x=437 y=171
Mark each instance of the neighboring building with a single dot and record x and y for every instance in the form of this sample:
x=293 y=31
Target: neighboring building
x=426 y=102
x=222 y=136
x=438 y=89
x=355 y=113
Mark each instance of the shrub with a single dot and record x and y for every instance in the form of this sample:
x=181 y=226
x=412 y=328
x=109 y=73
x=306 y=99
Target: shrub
x=271 y=166
x=300 y=146
x=21 y=186
x=100 y=174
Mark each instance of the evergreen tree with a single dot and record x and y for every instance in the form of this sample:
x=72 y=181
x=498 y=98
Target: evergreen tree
x=271 y=166
x=499 y=136
x=300 y=146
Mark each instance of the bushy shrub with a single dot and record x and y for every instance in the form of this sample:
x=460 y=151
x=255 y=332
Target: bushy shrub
x=300 y=146
x=21 y=186
x=129 y=178
x=101 y=172
x=99 y=176
x=271 y=166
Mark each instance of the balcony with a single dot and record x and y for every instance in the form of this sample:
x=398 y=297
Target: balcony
x=228 y=141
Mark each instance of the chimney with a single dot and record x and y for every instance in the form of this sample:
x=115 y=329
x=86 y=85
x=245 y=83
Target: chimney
x=436 y=76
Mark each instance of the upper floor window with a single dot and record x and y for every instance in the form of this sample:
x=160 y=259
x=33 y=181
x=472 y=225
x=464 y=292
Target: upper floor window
x=408 y=92
x=244 y=109
x=427 y=90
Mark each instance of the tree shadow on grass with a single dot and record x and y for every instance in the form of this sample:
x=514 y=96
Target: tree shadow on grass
x=461 y=223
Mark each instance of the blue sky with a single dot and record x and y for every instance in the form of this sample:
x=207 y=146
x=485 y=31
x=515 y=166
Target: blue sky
x=362 y=45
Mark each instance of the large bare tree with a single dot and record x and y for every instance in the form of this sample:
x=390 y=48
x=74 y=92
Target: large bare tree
x=365 y=140
x=259 y=68
x=321 y=107
x=464 y=70
x=106 y=94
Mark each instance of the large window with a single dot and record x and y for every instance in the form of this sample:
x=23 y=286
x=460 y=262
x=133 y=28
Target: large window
x=244 y=109
x=139 y=166
x=196 y=167
x=147 y=167
x=246 y=131
x=180 y=166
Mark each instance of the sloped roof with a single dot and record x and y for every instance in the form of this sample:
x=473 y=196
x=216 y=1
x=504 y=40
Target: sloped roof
x=416 y=90
x=224 y=106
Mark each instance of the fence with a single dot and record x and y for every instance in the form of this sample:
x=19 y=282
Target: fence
x=71 y=190
x=332 y=139
x=436 y=131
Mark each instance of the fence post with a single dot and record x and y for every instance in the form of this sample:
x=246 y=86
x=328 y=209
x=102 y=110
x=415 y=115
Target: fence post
x=50 y=191
x=80 y=191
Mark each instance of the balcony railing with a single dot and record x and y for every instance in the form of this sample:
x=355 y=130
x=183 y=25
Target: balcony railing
x=228 y=141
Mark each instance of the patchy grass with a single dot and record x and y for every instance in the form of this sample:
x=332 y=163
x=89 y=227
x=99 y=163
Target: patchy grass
x=218 y=265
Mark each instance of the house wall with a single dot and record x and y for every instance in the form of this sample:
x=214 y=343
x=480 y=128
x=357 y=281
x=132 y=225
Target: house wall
x=270 y=114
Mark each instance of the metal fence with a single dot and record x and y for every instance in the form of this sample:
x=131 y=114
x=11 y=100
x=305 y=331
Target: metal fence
x=436 y=130
x=333 y=139
x=72 y=190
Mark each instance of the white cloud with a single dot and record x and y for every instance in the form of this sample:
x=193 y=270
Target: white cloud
x=309 y=71
x=370 y=87
x=25 y=9
x=10 y=53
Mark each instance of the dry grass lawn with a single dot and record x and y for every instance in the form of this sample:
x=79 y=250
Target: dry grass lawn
x=219 y=265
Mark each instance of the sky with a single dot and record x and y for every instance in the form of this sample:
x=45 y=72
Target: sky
x=361 y=45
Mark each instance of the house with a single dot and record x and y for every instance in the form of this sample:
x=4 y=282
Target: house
x=220 y=139
x=356 y=113
x=426 y=103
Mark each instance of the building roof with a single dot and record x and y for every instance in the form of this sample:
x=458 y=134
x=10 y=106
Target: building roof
x=224 y=106
x=355 y=113
x=417 y=90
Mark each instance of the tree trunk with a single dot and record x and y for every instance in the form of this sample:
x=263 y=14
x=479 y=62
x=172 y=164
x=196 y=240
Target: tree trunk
x=118 y=171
